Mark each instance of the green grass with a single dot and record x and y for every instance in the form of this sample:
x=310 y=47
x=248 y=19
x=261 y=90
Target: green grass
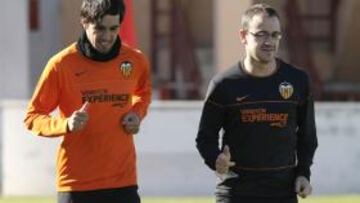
x=27 y=200
x=313 y=199
x=179 y=200
x=332 y=199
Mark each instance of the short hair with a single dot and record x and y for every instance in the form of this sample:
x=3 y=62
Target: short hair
x=93 y=11
x=257 y=9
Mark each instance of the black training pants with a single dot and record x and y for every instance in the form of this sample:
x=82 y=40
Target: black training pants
x=118 y=195
x=225 y=199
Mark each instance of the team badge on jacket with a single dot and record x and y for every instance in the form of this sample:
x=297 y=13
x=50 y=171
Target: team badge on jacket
x=286 y=90
x=126 y=68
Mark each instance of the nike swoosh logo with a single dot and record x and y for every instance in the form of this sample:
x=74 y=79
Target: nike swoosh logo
x=239 y=99
x=80 y=73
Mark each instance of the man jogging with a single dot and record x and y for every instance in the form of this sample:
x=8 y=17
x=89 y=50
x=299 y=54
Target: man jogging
x=101 y=88
x=264 y=108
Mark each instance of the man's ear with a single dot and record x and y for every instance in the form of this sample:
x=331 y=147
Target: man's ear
x=83 y=23
x=242 y=35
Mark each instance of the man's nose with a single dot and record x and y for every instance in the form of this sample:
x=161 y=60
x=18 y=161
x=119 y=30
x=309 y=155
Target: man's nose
x=269 y=41
x=107 y=35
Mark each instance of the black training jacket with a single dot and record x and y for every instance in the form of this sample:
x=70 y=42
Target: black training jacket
x=268 y=123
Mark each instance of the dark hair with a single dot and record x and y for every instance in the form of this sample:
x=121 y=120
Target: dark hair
x=93 y=11
x=255 y=10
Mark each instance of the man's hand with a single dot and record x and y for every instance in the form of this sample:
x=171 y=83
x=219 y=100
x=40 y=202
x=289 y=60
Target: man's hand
x=131 y=123
x=77 y=121
x=223 y=161
x=303 y=187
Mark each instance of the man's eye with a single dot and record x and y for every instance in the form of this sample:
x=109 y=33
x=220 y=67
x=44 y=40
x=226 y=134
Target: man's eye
x=276 y=34
x=99 y=28
x=260 y=34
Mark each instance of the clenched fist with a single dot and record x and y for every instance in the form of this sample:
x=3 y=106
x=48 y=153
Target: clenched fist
x=303 y=187
x=77 y=121
x=223 y=161
x=131 y=123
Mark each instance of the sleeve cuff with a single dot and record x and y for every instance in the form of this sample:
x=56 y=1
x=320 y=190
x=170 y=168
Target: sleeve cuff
x=303 y=171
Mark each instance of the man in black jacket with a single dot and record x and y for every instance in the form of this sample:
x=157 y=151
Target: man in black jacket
x=264 y=109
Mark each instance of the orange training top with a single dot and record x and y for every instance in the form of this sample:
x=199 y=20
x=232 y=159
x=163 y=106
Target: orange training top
x=101 y=155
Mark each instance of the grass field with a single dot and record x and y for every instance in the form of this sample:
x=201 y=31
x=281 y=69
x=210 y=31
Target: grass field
x=314 y=199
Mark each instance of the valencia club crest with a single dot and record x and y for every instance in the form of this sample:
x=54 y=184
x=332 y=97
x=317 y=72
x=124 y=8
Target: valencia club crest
x=286 y=90
x=126 y=68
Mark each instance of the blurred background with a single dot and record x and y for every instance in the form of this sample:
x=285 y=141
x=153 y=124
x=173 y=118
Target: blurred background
x=187 y=43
